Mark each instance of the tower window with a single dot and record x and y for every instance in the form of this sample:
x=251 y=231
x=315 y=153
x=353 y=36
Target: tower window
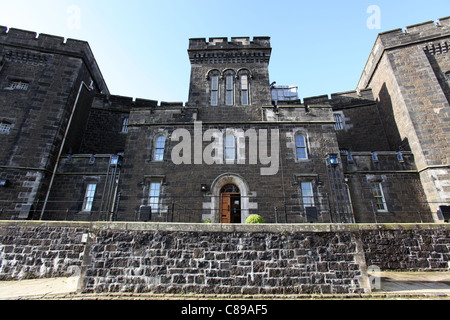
x=244 y=90
x=214 y=90
x=159 y=149
x=229 y=97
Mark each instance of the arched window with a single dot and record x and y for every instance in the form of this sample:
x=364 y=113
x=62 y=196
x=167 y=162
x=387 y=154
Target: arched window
x=159 y=148
x=229 y=95
x=244 y=78
x=230 y=148
x=301 y=148
x=244 y=90
x=214 y=90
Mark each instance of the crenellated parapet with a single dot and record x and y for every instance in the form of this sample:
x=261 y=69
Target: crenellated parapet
x=348 y=99
x=19 y=41
x=432 y=35
x=223 y=51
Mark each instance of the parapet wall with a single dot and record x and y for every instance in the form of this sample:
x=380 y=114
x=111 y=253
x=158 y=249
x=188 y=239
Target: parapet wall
x=224 y=43
x=54 y=44
x=422 y=33
x=215 y=258
x=343 y=99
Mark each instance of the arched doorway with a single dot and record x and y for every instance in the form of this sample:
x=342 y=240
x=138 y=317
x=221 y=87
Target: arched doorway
x=230 y=204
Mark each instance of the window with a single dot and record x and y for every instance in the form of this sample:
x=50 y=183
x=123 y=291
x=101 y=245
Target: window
x=125 y=125
x=339 y=125
x=214 y=90
x=229 y=97
x=300 y=144
x=380 y=201
x=155 y=192
x=230 y=148
x=159 y=149
x=18 y=85
x=89 y=197
x=307 y=194
x=5 y=127
x=244 y=90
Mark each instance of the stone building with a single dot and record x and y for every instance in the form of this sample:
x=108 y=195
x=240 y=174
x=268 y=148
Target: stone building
x=241 y=145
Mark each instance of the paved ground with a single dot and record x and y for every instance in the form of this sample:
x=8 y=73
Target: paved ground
x=390 y=285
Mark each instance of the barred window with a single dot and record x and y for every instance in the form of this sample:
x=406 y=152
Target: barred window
x=18 y=85
x=339 y=125
x=125 y=125
x=5 y=127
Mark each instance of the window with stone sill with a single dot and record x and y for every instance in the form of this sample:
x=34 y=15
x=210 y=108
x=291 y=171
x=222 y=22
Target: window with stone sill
x=160 y=146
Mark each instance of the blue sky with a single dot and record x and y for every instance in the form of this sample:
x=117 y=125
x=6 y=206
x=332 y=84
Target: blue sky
x=141 y=46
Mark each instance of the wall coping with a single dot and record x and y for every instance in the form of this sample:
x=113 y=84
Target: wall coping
x=229 y=228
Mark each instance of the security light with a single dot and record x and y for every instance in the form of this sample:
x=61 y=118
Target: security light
x=332 y=160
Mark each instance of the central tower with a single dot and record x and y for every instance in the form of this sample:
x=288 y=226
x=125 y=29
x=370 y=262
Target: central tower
x=229 y=73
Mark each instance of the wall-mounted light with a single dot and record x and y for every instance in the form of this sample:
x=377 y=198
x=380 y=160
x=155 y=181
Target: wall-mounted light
x=3 y=182
x=332 y=160
x=116 y=161
x=204 y=188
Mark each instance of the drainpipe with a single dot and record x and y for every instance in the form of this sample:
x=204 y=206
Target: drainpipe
x=90 y=88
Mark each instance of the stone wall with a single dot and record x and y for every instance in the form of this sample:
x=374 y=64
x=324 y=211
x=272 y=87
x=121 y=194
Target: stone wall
x=214 y=258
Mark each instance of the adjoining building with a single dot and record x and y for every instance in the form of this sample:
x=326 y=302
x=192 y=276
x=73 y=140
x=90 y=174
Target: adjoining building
x=241 y=145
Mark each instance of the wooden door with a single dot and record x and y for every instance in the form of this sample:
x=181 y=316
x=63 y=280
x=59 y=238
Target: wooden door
x=225 y=208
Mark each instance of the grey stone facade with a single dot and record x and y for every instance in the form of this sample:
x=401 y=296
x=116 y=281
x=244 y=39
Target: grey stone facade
x=220 y=259
x=73 y=151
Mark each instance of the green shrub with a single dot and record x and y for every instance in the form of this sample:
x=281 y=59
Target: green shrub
x=254 y=218
x=207 y=220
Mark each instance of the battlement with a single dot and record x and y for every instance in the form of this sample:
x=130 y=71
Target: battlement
x=128 y=103
x=53 y=44
x=234 y=43
x=416 y=33
x=346 y=99
x=422 y=33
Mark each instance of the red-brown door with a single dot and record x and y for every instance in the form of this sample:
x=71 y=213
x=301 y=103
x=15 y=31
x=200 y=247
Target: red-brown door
x=225 y=211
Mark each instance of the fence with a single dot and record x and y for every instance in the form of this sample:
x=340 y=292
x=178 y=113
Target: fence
x=190 y=209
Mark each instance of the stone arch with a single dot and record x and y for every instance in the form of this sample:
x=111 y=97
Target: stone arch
x=218 y=184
